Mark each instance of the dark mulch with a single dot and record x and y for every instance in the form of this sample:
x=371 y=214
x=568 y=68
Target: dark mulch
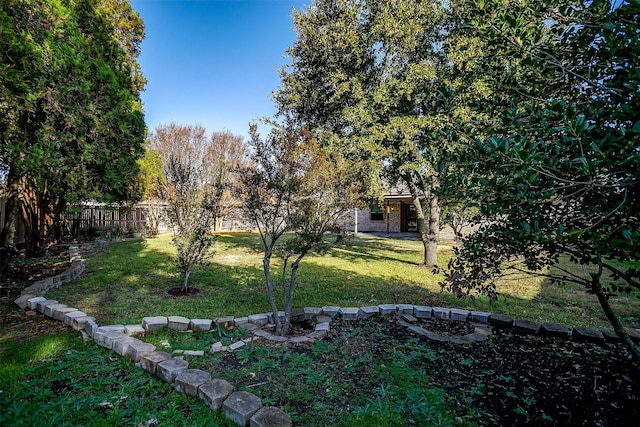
x=181 y=292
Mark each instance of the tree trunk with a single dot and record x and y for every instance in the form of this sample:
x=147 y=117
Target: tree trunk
x=431 y=255
x=429 y=230
x=617 y=326
x=266 y=267
x=185 y=279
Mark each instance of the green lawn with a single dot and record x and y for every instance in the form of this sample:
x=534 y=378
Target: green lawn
x=129 y=280
x=365 y=376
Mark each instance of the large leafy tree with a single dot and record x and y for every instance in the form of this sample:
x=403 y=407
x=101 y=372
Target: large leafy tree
x=71 y=122
x=297 y=194
x=371 y=77
x=558 y=175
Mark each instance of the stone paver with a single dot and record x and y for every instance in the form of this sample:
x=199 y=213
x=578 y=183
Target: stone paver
x=240 y=407
x=200 y=325
x=59 y=313
x=270 y=416
x=480 y=316
x=121 y=345
x=459 y=315
x=526 y=327
x=405 y=309
x=149 y=361
x=368 y=311
x=500 y=321
x=214 y=392
x=136 y=331
x=330 y=310
x=136 y=350
x=178 y=323
x=23 y=300
x=224 y=322
x=168 y=370
x=312 y=312
x=587 y=334
x=386 y=309
x=322 y=326
x=33 y=302
x=40 y=305
x=79 y=322
x=441 y=313
x=555 y=330
x=49 y=309
x=422 y=312
x=189 y=380
x=237 y=345
x=259 y=319
x=350 y=313
x=69 y=317
x=154 y=323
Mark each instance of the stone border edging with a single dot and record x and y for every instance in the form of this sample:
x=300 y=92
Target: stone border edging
x=243 y=408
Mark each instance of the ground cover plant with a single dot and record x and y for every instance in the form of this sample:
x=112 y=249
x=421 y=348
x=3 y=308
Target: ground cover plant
x=365 y=373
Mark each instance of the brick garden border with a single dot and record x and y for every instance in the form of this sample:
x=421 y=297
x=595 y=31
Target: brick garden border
x=243 y=408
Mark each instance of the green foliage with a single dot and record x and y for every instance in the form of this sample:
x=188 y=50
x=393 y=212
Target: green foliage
x=296 y=187
x=71 y=122
x=558 y=174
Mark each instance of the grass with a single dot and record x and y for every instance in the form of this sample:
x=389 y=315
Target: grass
x=130 y=281
x=71 y=383
x=58 y=379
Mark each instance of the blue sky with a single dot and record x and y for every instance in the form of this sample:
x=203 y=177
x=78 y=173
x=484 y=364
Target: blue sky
x=213 y=62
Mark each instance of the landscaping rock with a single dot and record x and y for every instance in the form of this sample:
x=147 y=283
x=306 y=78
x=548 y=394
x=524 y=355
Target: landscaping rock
x=121 y=345
x=33 y=302
x=136 y=331
x=273 y=320
x=217 y=347
x=23 y=300
x=368 y=311
x=459 y=315
x=299 y=340
x=79 y=322
x=422 y=312
x=501 y=321
x=480 y=317
x=386 y=309
x=408 y=318
x=196 y=353
x=297 y=315
x=40 y=305
x=323 y=318
x=526 y=327
x=475 y=337
x=200 y=325
x=90 y=327
x=322 y=326
x=189 y=380
x=105 y=338
x=178 y=323
x=214 y=392
x=270 y=416
x=330 y=310
x=275 y=338
x=169 y=369
x=249 y=327
x=155 y=323
x=224 y=322
x=48 y=310
x=405 y=308
x=587 y=334
x=350 y=313
x=136 y=350
x=59 y=313
x=241 y=321
x=69 y=317
x=149 y=362
x=311 y=312
x=259 y=319
x=555 y=330
x=240 y=407
x=237 y=345
x=441 y=313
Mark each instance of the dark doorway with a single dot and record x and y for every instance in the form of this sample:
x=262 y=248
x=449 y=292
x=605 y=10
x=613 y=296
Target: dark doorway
x=408 y=218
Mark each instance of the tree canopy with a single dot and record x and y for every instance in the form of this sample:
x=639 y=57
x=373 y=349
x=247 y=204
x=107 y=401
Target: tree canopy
x=558 y=174
x=71 y=120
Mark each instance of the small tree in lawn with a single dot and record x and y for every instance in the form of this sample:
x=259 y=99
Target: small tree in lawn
x=194 y=182
x=296 y=194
